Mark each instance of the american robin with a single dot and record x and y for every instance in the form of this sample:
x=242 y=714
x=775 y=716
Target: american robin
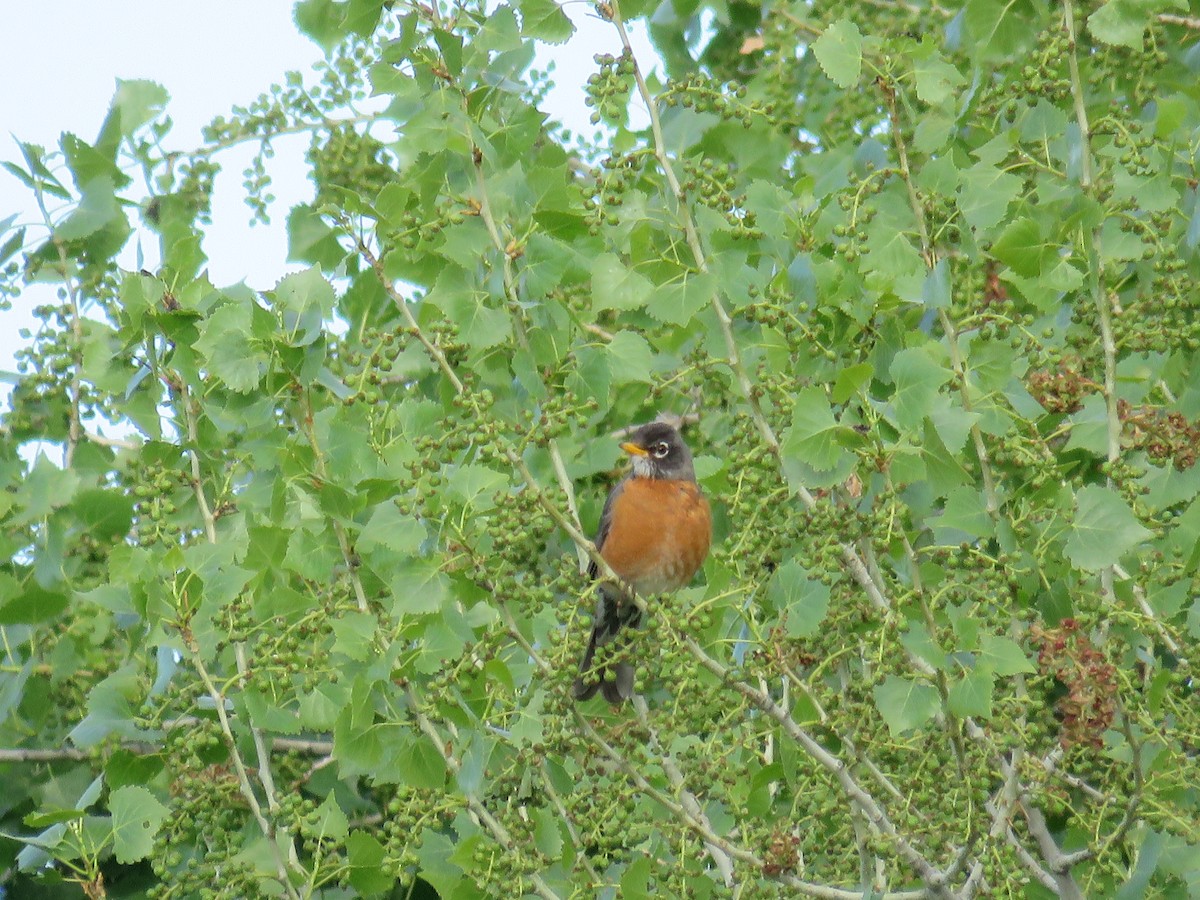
x=654 y=533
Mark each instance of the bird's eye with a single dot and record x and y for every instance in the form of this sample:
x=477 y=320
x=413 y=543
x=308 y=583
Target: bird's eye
x=661 y=449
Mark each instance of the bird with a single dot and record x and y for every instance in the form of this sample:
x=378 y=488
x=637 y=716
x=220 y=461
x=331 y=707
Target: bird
x=655 y=532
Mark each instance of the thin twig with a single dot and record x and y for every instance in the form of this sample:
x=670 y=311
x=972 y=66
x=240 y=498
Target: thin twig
x=313 y=747
x=1185 y=21
x=692 y=234
x=720 y=857
x=482 y=814
x=243 y=776
x=115 y=443
x=1091 y=238
x=875 y=813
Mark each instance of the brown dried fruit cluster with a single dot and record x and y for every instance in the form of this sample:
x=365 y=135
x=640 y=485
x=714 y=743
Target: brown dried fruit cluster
x=1062 y=391
x=783 y=854
x=1088 y=707
x=1163 y=435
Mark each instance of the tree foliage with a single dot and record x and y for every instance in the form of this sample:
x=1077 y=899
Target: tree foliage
x=920 y=279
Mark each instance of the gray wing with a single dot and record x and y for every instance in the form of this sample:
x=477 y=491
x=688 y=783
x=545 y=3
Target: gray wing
x=605 y=523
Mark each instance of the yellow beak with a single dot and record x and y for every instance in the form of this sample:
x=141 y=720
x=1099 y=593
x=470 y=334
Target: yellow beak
x=634 y=450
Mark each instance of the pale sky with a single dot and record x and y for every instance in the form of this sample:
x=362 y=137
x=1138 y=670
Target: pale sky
x=59 y=64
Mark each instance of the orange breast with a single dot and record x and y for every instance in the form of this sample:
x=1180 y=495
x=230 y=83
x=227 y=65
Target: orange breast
x=660 y=534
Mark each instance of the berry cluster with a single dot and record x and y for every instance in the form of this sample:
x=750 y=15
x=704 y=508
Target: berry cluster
x=608 y=89
x=605 y=191
x=346 y=159
x=1088 y=706
x=1061 y=391
x=1163 y=435
x=729 y=101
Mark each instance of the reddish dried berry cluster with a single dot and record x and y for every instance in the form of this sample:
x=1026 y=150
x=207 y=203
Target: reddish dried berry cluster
x=994 y=293
x=1163 y=435
x=783 y=854
x=1089 y=705
x=785 y=652
x=1062 y=391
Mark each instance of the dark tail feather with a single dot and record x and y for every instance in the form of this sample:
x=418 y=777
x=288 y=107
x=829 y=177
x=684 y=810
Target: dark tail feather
x=615 y=680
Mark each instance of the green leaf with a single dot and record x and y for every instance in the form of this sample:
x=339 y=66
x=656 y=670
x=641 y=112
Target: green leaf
x=319 y=709
x=134 y=104
x=323 y=21
x=125 y=767
x=227 y=349
x=366 y=856
x=473 y=761
x=1023 y=249
x=918 y=641
x=354 y=632
x=935 y=292
x=306 y=300
x=110 y=708
x=547 y=262
x=802 y=602
x=136 y=818
x=548 y=832
x=635 y=881
x=678 y=303
x=392 y=530
x=45 y=489
x=267 y=714
x=38 y=177
x=631 y=358
x=544 y=20
x=475 y=485
x=311 y=240
x=984 y=194
x=1124 y=22
x=1104 y=527
x=616 y=286
x=434 y=851
x=14 y=243
x=850 y=379
x=1003 y=656
x=328 y=821
x=29 y=603
x=418 y=586
x=480 y=325
x=96 y=209
x=936 y=79
x=999 y=26
x=966 y=511
x=812 y=436
x=839 y=51
x=905 y=703
x=421 y=765
x=107 y=514
x=918 y=380
x=972 y=694
x=115 y=598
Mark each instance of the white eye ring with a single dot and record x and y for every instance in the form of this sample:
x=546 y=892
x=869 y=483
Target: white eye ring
x=661 y=449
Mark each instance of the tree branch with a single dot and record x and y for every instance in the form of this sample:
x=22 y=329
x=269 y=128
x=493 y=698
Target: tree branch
x=929 y=874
